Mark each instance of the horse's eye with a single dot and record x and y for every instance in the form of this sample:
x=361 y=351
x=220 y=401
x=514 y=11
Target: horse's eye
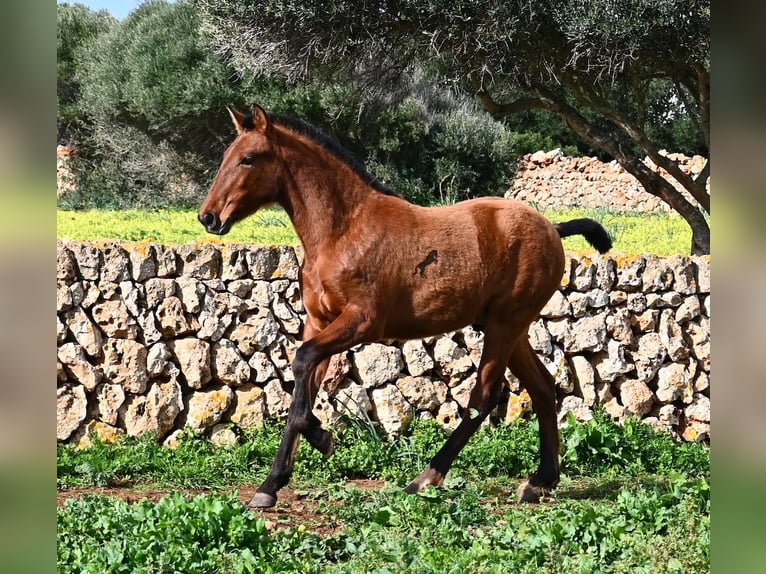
x=247 y=160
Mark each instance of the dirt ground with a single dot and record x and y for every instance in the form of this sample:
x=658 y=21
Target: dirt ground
x=294 y=507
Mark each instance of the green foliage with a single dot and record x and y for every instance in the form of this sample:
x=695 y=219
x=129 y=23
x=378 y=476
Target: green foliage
x=171 y=227
x=201 y=535
x=632 y=233
x=632 y=448
x=76 y=29
x=628 y=78
x=643 y=505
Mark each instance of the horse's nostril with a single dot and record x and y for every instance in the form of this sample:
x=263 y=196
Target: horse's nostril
x=208 y=219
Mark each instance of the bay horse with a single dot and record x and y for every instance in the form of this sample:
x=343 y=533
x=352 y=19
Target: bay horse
x=377 y=267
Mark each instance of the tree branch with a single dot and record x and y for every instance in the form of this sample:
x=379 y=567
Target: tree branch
x=499 y=111
x=636 y=133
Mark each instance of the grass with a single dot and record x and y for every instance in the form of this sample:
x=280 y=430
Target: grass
x=661 y=234
x=631 y=500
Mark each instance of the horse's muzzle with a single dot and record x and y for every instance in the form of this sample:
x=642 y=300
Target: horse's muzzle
x=212 y=224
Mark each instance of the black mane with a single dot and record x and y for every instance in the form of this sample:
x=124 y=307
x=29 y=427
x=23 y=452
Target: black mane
x=328 y=143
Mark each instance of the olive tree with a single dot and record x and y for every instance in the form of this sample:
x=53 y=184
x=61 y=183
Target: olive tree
x=617 y=72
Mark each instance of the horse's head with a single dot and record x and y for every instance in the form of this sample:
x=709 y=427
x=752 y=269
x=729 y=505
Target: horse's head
x=248 y=176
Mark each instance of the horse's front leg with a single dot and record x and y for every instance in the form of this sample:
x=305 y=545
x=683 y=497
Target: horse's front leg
x=309 y=366
x=300 y=420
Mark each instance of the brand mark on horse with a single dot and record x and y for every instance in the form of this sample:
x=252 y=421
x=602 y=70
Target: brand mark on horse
x=431 y=258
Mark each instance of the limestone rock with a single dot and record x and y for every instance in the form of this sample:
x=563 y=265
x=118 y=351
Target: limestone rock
x=143 y=261
x=227 y=365
x=699 y=409
x=657 y=276
x=109 y=399
x=262 y=368
x=618 y=326
x=256 y=331
x=557 y=306
x=674 y=382
x=277 y=400
x=116 y=264
x=423 y=393
x=461 y=393
x=684 y=274
x=352 y=400
x=167 y=261
x=540 y=338
x=585 y=334
x=584 y=274
x=193 y=357
x=392 y=409
x=611 y=363
x=636 y=396
x=84 y=331
x=289 y=319
x=233 y=262
x=376 y=364
x=519 y=405
x=157 y=358
x=200 y=260
x=217 y=314
x=672 y=336
x=114 y=320
x=125 y=364
x=222 y=435
x=191 y=292
x=154 y=412
x=262 y=262
x=206 y=407
x=66 y=265
x=287 y=266
x=584 y=378
x=451 y=360
x=173 y=322
x=416 y=358
x=629 y=271
x=250 y=406
x=157 y=290
x=88 y=258
x=71 y=409
x=558 y=367
x=449 y=416
x=577 y=407
x=649 y=356
x=76 y=364
x=102 y=431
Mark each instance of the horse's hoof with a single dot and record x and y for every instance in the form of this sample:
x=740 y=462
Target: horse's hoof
x=262 y=500
x=429 y=477
x=529 y=493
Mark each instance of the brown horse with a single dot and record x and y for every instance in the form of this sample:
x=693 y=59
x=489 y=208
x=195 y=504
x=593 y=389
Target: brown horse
x=378 y=267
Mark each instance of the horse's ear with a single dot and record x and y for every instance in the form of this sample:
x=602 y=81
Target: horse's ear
x=237 y=118
x=260 y=119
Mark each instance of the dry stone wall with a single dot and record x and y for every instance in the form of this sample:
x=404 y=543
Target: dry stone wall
x=156 y=338
x=552 y=180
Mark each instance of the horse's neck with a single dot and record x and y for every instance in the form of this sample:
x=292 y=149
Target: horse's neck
x=321 y=197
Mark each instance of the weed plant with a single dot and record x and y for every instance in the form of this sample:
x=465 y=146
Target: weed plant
x=631 y=499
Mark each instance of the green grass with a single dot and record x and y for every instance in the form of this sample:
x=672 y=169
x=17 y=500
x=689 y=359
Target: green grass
x=632 y=233
x=171 y=226
x=630 y=500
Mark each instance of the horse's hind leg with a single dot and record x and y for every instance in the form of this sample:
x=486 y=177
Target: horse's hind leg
x=488 y=392
x=542 y=390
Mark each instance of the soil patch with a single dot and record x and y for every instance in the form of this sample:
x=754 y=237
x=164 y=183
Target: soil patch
x=295 y=507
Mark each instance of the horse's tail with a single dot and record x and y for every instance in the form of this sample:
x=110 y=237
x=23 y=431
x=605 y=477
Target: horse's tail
x=592 y=230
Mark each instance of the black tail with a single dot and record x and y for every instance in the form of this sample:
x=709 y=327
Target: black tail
x=592 y=230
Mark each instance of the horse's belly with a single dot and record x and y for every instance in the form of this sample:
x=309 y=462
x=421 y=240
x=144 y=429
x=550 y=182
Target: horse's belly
x=411 y=318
